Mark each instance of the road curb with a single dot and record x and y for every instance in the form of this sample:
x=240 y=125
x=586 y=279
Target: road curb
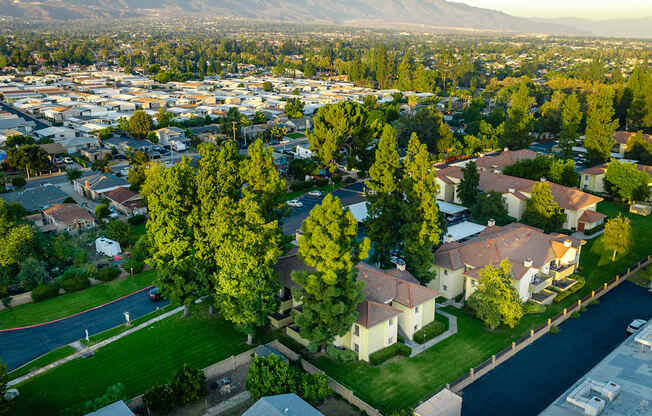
x=76 y=314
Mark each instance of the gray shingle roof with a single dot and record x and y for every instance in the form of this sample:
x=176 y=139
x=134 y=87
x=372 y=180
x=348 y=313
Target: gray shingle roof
x=282 y=405
x=37 y=198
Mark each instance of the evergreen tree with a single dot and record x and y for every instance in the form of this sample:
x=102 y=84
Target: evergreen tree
x=571 y=118
x=626 y=182
x=600 y=126
x=542 y=210
x=518 y=124
x=263 y=182
x=331 y=293
x=617 y=236
x=640 y=110
x=467 y=190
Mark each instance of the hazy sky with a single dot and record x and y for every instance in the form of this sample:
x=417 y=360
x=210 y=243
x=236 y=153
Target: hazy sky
x=590 y=9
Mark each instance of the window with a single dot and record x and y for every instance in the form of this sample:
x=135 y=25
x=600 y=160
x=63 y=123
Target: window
x=445 y=272
x=390 y=322
x=445 y=288
x=356 y=348
x=356 y=330
x=390 y=340
x=416 y=309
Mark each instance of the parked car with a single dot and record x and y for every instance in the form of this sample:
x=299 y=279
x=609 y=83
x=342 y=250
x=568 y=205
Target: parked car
x=635 y=325
x=155 y=294
x=315 y=193
x=294 y=203
x=67 y=160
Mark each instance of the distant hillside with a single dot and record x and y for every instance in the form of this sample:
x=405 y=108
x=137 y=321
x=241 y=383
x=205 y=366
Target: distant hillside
x=622 y=28
x=386 y=13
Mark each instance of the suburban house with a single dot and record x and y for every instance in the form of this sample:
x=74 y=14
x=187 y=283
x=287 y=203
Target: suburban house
x=126 y=201
x=167 y=135
x=395 y=304
x=592 y=179
x=36 y=198
x=580 y=207
x=67 y=217
x=538 y=261
x=497 y=163
x=94 y=186
x=282 y=405
x=622 y=138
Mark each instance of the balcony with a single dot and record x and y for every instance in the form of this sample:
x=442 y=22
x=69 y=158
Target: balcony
x=561 y=271
x=539 y=283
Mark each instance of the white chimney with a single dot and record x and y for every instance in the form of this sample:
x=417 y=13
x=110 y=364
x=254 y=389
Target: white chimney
x=511 y=190
x=567 y=243
x=527 y=262
x=506 y=149
x=491 y=223
x=543 y=179
x=400 y=265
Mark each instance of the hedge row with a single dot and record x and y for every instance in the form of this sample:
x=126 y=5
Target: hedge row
x=341 y=354
x=43 y=292
x=429 y=331
x=385 y=354
x=561 y=295
x=594 y=229
x=107 y=274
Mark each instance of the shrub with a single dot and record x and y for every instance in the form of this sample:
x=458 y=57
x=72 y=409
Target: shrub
x=136 y=266
x=313 y=388
x=112 y=394
x=576 y=288
x=102 y=211
x=160 y=399
x=385 y=354
x=575 y=315
x=339 y=354
x=108 y=273
x=18 y=181
x=553 y=329
x=117 y=230
x=43 y=292
x=188 y=385
x=137 y=219
x=69 y=200
x=594 y=229
x=429 y=331
x=74 y=279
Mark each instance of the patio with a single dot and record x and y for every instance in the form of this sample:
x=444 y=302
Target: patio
x=544 y=297
x=564 y=283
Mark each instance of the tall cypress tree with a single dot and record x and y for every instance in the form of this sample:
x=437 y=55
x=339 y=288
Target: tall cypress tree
x=331 y=293
x=467 y=190
x=518 y=124
x=600 y=126
x=571 y=117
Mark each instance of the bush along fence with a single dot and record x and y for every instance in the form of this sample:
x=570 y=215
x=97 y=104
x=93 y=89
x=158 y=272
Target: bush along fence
x=338 y=388
x=476 y=372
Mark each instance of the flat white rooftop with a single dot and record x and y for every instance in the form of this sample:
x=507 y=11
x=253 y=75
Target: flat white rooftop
x=462 y=230
x=448 y=208
x=630 y=366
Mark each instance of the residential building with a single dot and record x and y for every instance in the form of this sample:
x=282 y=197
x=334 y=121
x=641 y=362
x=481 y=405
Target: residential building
x=55 y=133
x=94 y=186
x=282 y=405
x=538 y=261
x=592 y=179
x=496 y=163
x=444 y=403
x=126 y=201
x=118 y=408
x=37 y=198
x=622 y=139
x=516 y=192
x=395 y=304
x=67 y=217
x=167 y=135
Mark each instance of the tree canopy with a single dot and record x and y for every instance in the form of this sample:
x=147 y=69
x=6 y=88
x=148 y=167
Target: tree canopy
x=627 y=182
x=542 y=210
x=600 y=125
x=467 y=190
x=617 y=236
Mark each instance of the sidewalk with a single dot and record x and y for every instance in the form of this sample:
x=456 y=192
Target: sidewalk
x=452 y=330
x=583 y=236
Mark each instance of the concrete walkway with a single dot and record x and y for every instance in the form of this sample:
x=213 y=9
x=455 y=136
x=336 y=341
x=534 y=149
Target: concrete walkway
x=452 y=330
x=228 y=404
x=582 y=236
x=94 y=347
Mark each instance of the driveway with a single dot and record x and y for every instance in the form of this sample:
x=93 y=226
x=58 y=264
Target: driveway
x=350 y=194
x=527 y=383
x=23 y=345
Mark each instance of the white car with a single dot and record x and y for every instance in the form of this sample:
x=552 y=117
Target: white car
x=314 y=193
x=294 y=203
x=636 y=325
x=67 y=160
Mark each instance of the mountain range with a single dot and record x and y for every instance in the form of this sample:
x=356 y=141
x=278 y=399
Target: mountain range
x=416 y=14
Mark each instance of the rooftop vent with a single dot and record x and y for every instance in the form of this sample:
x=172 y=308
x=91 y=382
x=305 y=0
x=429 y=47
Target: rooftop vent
x=491 y=223
x=527 y=262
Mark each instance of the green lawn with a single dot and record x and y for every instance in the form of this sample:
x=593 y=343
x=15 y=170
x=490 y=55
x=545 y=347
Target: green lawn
x=138 y=361
x=295 y=135
x=71 y=303
x=404 y=383
x=42 y=361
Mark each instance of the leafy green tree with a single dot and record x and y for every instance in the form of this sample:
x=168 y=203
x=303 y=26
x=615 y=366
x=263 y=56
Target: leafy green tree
x=429 y=126
x=73 y=174
x=112 y=394
x=343 y=133
x=31 y=158
x=267 y=86
x=518 y=124
x=294 y=108
x=263 y=182
x=490 y=205
x=102 y=211
x=117 y=230
x=638 y=148
x=331 y=293
x=571 y=118
x=617 y=236
x=140 y=124
x=138 y=163
x=563 y=172
x=627 y=182
x=542 y=210
x=600 y=125
x=164 y=118
x=18 y=140
x=639 y=113
x=16 y=243
x=172 y=202
x=32 y=273
x=467 y=190
x=496 y=301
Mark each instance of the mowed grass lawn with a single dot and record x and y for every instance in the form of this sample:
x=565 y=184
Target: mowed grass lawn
x=71 y=303
x=138 y=361
x=406 y=382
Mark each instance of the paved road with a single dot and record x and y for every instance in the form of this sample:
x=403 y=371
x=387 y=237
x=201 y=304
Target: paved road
x=40 y=124
x=527 y=383
x=21 y=346
x=350 y=194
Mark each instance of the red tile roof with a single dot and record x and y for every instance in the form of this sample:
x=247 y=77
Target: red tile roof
x=591 y=216
x=506 y=158
x=121 y=195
